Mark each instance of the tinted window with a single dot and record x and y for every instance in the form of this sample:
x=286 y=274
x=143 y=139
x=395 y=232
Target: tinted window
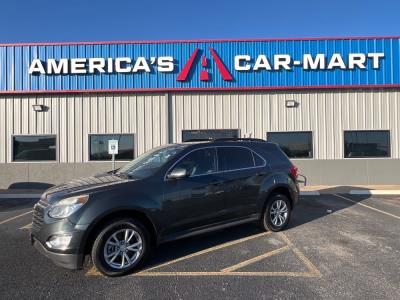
x=366 y=144
x=188 y=135
x=31 y=148
x=199 y=162
x=233 y=158
x=258 y=160
x=99 y=146
x=294 y=144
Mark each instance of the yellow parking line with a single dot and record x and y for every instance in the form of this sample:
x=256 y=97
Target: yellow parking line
x=370 y=207
x=93 y=272
x=307 y=262
x=27 y=226
x=16 y=217
x=231 y=271
x=262 y=274
x=208 y=250
x=255 y=259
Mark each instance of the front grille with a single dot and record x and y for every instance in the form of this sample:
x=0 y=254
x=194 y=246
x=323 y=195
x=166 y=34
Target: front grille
x=38 y=215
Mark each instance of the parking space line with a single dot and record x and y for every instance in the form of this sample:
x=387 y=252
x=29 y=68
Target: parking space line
x=252 y=274
x=307 y=262
x=255 y=259
x=231 y=271
x=208 y=250
x=27 y=226
x=370 y=207
x=15 y=217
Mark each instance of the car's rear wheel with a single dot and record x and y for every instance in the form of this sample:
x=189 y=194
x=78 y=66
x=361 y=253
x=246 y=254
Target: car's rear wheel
x=276 y=214
x=120 y=247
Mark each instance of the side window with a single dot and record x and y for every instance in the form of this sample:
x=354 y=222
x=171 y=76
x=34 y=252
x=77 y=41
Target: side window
x=233 y=158
x=199 y=162
x=258 y=161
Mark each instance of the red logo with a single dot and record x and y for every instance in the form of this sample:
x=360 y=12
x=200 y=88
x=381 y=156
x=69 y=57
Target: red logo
x=204 y=75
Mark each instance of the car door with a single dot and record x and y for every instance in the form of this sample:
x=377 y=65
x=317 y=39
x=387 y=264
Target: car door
x=194 y=201
x=240 y=171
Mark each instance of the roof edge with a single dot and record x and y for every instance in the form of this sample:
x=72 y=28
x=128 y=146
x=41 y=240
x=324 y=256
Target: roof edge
x=197 y=41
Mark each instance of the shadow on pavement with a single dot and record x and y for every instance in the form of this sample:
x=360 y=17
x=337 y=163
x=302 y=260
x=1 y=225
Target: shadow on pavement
x=8 y=205
x=308 y=209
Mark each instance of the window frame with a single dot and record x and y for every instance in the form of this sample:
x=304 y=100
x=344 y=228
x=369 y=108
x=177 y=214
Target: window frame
x=34 y=161
x=219 y=129
x=216 y=153
x=302 y=131
x=117 y=160
x=368 y=157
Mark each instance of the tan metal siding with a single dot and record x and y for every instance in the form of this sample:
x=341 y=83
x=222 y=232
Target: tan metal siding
x=326 y=113
x=73 y=117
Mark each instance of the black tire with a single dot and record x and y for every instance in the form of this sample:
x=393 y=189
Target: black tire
x=267 y=222
x=119 y=226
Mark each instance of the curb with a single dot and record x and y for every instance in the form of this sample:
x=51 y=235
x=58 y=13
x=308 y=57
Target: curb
x=310 y=193
x=20 y=196
x=374 y=192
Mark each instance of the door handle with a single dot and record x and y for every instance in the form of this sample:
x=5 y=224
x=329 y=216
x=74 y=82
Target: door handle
x=261 y=173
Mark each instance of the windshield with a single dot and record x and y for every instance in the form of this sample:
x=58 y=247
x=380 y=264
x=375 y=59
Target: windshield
x=150 y=162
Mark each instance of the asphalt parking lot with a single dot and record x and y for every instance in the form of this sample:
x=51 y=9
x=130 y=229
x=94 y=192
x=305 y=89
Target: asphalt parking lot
x=337 y=246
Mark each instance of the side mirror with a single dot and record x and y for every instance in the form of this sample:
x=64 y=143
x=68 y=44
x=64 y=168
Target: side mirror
x=178 y=173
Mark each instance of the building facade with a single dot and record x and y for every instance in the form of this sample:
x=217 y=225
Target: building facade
x=333 y=105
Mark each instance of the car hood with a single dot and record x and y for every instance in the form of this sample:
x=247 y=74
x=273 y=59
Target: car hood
x=83 y=185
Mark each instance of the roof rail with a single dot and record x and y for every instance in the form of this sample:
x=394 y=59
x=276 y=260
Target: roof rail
x=238 y=139
x=198 y=140
x=235 y=139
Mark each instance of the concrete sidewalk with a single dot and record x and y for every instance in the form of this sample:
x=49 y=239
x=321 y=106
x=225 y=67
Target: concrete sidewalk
x=351 y=189
x=312 y=190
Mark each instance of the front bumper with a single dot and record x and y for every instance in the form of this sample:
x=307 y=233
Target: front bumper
x=65 y=260
x=44 y=227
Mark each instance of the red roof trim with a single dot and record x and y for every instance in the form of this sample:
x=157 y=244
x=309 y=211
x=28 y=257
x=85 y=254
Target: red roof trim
x=365 y=86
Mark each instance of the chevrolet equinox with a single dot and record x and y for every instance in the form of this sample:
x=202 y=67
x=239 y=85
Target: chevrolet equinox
x=168 y=193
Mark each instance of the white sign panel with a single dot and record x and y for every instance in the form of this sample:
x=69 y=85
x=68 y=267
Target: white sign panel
x=113 y=147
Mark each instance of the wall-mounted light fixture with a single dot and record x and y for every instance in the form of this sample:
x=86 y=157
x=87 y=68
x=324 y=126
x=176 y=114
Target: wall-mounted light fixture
x=39 y=107
x=291 y=103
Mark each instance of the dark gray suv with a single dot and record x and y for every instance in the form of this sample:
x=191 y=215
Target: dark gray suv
x=168 y=193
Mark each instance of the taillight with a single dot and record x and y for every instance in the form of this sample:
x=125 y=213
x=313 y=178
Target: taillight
x=294 y=171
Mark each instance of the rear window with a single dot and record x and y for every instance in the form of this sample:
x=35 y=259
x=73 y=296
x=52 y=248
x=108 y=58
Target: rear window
x=258 y=161
x=233 y=158
x=274 y=155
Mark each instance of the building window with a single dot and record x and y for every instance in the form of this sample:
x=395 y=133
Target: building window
x=99 y=146
x=367 y=143
x=294 y=144
x=209 y=134
x=34 y=148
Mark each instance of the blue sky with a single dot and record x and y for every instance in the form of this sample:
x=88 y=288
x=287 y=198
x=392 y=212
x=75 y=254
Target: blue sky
x=101 y=20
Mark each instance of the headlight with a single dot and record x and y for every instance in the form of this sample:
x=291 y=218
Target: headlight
x=67 y=207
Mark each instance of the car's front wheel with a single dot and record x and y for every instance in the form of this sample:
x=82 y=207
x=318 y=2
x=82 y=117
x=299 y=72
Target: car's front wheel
x=277 y=212
x=120 y=247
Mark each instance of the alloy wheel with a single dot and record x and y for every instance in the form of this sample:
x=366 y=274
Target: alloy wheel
x=123 y=248
x=278 y=213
